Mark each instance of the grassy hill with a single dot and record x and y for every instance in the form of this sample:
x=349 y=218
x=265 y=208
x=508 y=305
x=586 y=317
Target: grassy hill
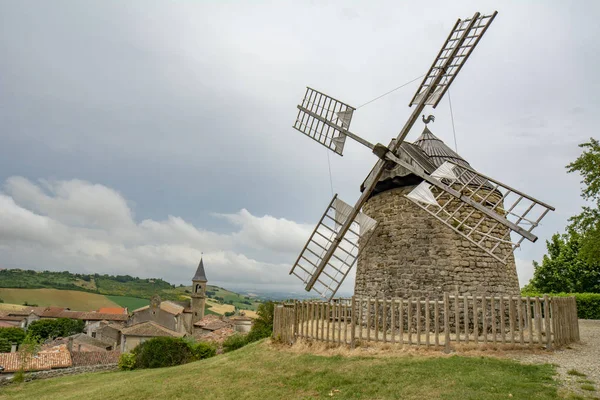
x=259 y=371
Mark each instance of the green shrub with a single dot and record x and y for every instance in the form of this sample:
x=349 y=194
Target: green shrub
x=204 y=350
x=127 y=361
x=588 y=304
x=263 y=325
x=12 y=335
x=234 y=342
x=53 y=328
x=162 y=352
x=4 y=345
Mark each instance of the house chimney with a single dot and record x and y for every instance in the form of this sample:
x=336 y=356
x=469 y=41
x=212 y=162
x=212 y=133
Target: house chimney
x=70 y=345
x=13 y=347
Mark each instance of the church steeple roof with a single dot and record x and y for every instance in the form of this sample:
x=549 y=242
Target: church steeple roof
x=200 y=274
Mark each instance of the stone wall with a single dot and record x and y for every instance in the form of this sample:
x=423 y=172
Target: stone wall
x=30 y=376
x=411 y=254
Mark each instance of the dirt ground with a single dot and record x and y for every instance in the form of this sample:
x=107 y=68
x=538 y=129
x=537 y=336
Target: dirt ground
x=583 y=357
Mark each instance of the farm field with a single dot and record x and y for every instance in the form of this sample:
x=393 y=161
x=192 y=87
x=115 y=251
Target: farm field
x=76 y=300
x=261 y=371
x=132 y=303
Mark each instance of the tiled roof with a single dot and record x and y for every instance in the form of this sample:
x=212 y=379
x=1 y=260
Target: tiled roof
x=207 y=320
x=213 y=326
x=149 y=329
x=47 y=312
x=44 y=360
x=87 y=343
x=94 y=316
x=6 y=317
x=81 y=358
x=167 y=306
x=217 y=336
x=5 y=324
x=112 y=310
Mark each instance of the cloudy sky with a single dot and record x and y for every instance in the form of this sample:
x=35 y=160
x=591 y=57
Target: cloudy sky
x=136 y=135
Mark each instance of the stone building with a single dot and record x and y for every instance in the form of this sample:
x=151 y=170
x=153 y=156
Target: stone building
x=177 y=317
x=411 y=254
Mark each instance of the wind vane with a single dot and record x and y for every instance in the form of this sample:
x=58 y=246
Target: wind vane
x=332 y=249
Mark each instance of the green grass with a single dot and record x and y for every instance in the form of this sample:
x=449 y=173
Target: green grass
x=132 y=303
x=590 y=388
x=574 y=372
x=260 y=372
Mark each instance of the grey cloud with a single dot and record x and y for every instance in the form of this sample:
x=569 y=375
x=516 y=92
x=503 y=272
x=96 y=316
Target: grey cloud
x=185 y=108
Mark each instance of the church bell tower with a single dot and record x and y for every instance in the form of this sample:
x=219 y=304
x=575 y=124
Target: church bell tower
x=198 y=293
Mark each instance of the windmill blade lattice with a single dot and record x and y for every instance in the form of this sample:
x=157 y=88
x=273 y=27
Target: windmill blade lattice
x=451 y=58
x=492 y=235
x=324 y=119
x=346 y=252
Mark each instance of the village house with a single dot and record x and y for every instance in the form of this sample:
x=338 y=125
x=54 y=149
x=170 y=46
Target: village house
x=139 y=333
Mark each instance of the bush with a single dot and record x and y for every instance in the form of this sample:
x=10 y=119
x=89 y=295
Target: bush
x=204 y=350
x=162 y=352
x=127 y=362
x=234 y=342
x=588 y=304
x=12 y=335
x=53 y=328
x=263 y=325
x=4 y=345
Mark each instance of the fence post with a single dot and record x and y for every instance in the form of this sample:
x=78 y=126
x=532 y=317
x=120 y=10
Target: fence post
x=353 y=324
x=447 y=322
x=295 y=321
x=547 y=321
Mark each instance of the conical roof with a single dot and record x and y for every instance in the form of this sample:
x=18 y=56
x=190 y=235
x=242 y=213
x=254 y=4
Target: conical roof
x=436 y=150
x=200 y=274
x=425 y=154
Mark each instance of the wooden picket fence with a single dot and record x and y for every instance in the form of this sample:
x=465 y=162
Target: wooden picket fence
x=532 y=321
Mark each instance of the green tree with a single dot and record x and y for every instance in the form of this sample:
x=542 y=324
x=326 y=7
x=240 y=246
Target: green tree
x=563 y=269
x=587 y=223
x=12 y=335
x=573 y=260
x=53 y=328
x=263 y=324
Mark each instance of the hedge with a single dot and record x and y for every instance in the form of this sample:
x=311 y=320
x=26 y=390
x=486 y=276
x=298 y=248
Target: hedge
x=588 y=304
x=165 y=352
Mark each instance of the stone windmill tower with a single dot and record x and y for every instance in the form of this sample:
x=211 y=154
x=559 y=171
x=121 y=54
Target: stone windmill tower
x=429 y=223
x=411 y=254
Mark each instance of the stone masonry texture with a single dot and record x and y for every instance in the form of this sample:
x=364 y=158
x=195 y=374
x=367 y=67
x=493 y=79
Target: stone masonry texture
x=411 y=254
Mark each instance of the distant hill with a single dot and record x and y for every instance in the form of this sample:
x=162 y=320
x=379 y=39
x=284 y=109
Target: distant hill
x=125 y=290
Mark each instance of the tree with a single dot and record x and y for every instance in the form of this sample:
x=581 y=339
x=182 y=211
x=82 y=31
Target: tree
x=587 y=223
x=53 y=328
x=263 y=325
x=573 y=260
x=563 y=269
x=12 y=335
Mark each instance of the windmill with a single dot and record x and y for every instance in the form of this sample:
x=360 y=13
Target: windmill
x=462 y=199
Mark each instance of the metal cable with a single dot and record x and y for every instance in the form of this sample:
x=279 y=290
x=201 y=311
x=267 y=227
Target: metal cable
x=452 y=119
x=391 y=91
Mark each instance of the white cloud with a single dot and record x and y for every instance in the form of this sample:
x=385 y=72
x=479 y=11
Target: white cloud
x=90 y=228
x=277 y=234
